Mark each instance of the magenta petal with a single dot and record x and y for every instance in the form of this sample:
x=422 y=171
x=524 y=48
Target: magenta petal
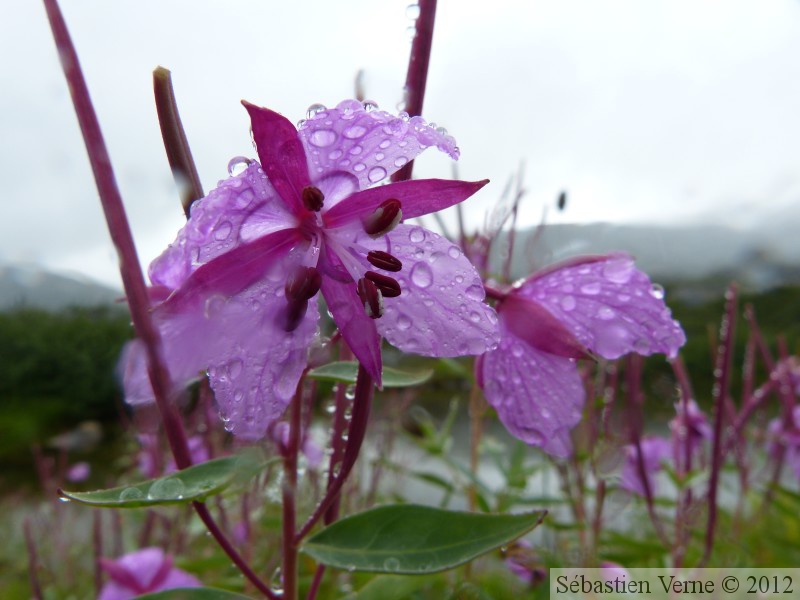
x=536 y=325
x=357 y=328
x=611 y=307
x=370 y=145
x=440 y=310
x=281 y=154
x=418 y=197
x=239 y=210
x=538 y=396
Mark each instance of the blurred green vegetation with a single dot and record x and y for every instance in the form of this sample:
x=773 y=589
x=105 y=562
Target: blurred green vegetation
x=58 y=370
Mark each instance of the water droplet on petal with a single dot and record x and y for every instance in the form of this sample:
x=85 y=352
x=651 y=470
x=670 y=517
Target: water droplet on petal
x=237 y=165
x=475 y=292
x=403 y=322
x=657 y=292
x=235 y=368
x=223 y=231
x=591 y=289
x=454 y=252
x=618 y=271
x=412 y=11
x=568 y=303
x=354 y=132
x=370 y=105
x=358 y=167
x=605 y=313
x=400 y=161
x=416 y=235
x=323 y=137
x=376 y=174
x=421 y=275
x=313 y=110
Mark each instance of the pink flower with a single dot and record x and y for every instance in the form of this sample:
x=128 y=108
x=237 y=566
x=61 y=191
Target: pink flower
x=243 y=273
x=655 y=451
x=144 y=571
x=597 y=305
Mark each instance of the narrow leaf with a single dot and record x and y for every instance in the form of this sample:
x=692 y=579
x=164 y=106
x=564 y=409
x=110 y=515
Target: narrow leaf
x=193 y=484
x=413 y=540
x=193 y=594
x=345 y=372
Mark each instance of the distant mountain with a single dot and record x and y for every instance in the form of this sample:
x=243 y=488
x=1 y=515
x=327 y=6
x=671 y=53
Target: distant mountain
x=695 y=256
x=23 y=285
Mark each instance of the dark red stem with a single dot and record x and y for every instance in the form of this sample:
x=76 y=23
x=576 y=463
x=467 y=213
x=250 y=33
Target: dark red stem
x=417 y=74
x=719 y=393
x=289 y=569
x=362 y=404
x=33 y=561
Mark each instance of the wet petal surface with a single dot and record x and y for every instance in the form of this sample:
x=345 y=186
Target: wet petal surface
x=369 y=144
x=440 y=309
x=611 y=307
x=538 y=396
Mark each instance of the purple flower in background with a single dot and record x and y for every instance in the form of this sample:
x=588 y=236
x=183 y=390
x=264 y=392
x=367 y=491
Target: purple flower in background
x=655 y=450
x=78 y=472
x=689 y=422
x=150 y=452
x=612 y=572
x=601 y=305
x=260 y=246
x=785 y=437
x=144 y=571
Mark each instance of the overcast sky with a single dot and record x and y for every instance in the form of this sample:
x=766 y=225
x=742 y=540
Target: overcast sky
x=644 y=110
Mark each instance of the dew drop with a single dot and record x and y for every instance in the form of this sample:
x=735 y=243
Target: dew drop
x=400 y=161
x=354 y=132
x=335 y=155
x=391 y=564
x=412 y=11
x=370 y=105
x=421 y=275
x=237 y=165
x=313 y=110
x=416 y=235
x=591 y=289
x=131 y=493
x=516 y=350
x=223 y=231
x=358 y=167
x=568 y=303
x=323 y=138
x=235 y=368
x=657 y=292
x=403 y=323
x=605 y=313
x=376 y=174
x=474 y=317
x=475 y=292
x=164 y=489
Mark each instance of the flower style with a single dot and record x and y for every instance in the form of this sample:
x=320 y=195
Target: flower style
x=144 y=571
x=260 y=246
x=601 y=305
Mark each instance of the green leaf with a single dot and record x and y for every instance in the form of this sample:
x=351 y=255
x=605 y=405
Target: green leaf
x=413 y=540
x=193 y=484
x=194 y=594
x=390 y=587
x=345 y=372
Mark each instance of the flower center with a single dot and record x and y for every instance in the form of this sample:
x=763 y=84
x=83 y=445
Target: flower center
x=313 y=198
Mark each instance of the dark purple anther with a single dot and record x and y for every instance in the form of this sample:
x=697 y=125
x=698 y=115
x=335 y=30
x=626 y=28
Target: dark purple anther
x=303 y=283
x=387 y=285
x=295 y=311
x=371 y=297
x=384 y=219
x=313 y=198
x=384 y=260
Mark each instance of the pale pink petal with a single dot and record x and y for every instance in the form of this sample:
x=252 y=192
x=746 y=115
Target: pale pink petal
x=281 y=154
x=655 y=450
x=368 y=144
x=417 y=197
x=239 y=210
x=177 y=579
x=440 y=311
x=538 y=396
x=611 y=307
x=348 y=312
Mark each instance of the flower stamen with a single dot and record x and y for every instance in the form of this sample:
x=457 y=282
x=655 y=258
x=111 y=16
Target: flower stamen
x=384 y=219
x=371 y=297
x=301 y=286
x=313 y=198
x=384 y=260
x=388 y=286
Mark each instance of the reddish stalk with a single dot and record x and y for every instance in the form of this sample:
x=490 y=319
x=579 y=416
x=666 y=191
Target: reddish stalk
x=130 y=268
x=358 y=427
x=417 y=74
x=719 y=393
x=33 y=561
x=175 y=143
x=97 y=546
x=289 y=490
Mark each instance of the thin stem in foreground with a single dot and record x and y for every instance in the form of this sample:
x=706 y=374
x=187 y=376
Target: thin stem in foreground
x=289 y=492
x=362 y=404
